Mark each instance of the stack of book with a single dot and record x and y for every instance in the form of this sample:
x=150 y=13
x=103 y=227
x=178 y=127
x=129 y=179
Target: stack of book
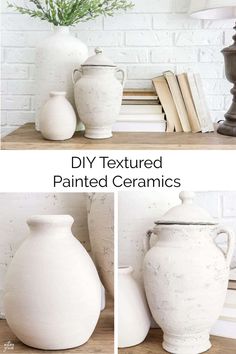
x=183 y=101
x=140 y=112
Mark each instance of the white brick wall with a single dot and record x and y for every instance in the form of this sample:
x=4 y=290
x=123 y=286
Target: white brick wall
x=154 y=36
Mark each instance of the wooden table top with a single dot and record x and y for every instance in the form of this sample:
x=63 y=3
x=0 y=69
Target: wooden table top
x=102 y=340
x=152 y=345
x=26 y=138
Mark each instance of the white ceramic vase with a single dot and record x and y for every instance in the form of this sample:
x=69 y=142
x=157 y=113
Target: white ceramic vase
x=56 y=58
x=100 y=208
x=133 y=314
x=186 y=276
x=136 y=213
x=52 y=295
x=57 y=118
x=98 y=95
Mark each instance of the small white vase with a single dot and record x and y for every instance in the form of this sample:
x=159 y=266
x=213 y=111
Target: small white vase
x=133 y=314
x=57 y=118
x=56 y=58
x=98 y=95
x=100 y=208
x=52 y=294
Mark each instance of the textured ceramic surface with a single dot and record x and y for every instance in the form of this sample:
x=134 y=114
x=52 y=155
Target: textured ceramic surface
x=98 y=97
x=56 y=58
x=133 y=312
x=186 y=278
x=100 y=208
x=137 y=211
x=52 y=295
x=57 y=118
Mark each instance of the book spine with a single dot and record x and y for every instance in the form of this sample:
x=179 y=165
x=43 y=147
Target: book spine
x=198 y=105
x=203 y=102
x=178 y=100
x=140 y=109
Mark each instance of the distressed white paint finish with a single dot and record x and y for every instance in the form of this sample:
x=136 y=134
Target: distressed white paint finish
x=100 y=207
x=146 y=208
x=137 y=212
x=98 y=95
x=134 y=317
x=186 y=278
x=15 y=210
x=154 y=31
x=56 y=58
x=52 y=294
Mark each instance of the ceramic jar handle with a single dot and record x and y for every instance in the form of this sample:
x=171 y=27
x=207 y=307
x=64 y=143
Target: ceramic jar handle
x=73 y=75
x=123 y=76
x=147 y=240
x=230 y=243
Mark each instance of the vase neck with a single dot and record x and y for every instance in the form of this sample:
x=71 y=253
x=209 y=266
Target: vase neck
x=62 y=29
x=57 y=94
x=50 y=225
x=125 y=270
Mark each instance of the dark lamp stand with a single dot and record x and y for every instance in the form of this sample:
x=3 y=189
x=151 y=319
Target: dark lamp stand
x=228 y=127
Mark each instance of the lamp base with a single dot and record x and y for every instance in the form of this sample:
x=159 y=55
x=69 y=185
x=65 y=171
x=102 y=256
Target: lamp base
x=227 y=128
x=229 y=125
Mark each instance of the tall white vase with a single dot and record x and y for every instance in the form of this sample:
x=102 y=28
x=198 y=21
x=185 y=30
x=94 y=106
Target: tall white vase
x=100 y=208
x=52 y=295
x=133 y=313
x=56 y=58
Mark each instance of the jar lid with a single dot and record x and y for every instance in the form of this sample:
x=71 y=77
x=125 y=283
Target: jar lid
x=187 y=213
x=99 y=59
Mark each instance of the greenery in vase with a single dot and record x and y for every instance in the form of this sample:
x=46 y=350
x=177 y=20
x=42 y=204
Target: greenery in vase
x=70 y=12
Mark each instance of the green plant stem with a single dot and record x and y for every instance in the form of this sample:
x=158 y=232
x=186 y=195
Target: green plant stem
x=71 y=12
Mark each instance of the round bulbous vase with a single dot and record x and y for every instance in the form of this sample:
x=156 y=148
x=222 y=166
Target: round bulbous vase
x=134 y=317
x=98 y=95
x=52 y=295
x=56 y=58
x=100 y=211
x=57 y=118
x=186 y=278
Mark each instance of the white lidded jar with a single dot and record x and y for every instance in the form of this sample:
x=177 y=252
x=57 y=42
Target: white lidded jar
x=186 y=276
x=134 y=317
x=52 y=295
x=98 y=95
x=57 y=117
x=56 y=58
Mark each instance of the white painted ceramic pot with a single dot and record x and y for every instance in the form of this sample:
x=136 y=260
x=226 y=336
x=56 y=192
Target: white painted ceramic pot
x=56 y=58
x=136 y=213
x=98 y=95
x=100 y=207
x=52 y=295
x=133 y=314
x=57 y=118
x=186 y=276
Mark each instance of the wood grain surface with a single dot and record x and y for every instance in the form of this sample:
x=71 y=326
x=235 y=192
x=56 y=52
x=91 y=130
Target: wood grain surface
x=26 y=138
x=152 y=345
x=102 y=340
